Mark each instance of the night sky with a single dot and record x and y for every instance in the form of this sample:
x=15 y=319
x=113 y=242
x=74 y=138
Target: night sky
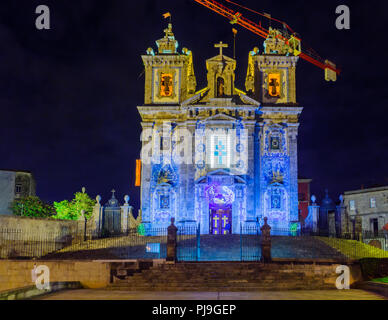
x=68 y=95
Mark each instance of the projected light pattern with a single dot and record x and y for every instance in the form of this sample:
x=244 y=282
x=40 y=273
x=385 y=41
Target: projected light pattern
x=220 y=151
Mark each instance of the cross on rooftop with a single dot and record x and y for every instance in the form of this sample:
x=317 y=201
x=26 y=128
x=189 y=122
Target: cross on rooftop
x=221 y=46
x=113 y=192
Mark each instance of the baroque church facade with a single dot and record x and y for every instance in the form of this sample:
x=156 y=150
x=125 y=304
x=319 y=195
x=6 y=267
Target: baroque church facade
x=219 y=157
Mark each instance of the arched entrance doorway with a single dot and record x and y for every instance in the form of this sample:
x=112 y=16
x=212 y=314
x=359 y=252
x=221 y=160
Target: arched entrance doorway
x=221 y=198
x=220 y=203
x=220 y=220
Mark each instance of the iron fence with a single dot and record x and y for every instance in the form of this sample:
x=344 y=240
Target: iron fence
x=188 y=244
x=250 y=243
x=15 y=243
x=151 y=243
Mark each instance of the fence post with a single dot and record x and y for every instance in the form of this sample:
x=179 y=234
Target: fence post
x=198 y=242
x=171 y=241
x=265 y=242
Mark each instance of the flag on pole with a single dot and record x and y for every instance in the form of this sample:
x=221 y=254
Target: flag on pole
x=166 y=15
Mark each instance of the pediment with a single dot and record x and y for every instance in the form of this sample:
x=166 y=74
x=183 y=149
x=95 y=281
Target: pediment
x=219 y=117
x=221 y=58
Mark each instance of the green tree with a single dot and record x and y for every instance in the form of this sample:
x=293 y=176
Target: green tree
x=71 y=210
x=82 y=201
x=31 y=206
x=64 y=210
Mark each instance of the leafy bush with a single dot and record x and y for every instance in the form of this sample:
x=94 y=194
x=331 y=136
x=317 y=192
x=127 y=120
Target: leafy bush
x=71 y=210
x=31 y=206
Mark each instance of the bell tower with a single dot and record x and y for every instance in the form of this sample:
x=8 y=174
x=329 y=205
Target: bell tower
x=271 y=81
x=169 y=75
x=271 y=76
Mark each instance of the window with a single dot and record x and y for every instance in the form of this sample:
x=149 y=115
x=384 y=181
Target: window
x=164 y=143
x=374 y=223
x=372 y=202
x=275 y=143
x=275 y=199
x=352 y=205
x=164 y=201
x=220 y=151
x=18 y=188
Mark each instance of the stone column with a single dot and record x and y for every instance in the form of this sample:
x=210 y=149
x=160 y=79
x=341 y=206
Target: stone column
x=126 y=210
x=265 y=242
x=257 y=164
x=250 y=190
x=171 y=242
x=311 y=221
x=293 y=152
x=190 y=174
x=146 y=170
x=96 y=218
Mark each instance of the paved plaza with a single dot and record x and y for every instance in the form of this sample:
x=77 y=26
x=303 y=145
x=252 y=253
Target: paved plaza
x=100 y=294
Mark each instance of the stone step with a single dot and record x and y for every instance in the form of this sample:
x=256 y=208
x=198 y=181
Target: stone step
x=303 y=284
x=223 y=275
x=227 y=276
x=166 y=280
x=209 y=277
x=224 y=288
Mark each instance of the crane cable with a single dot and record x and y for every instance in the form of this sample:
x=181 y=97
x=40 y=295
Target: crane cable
x=262 y=14
x=309 y=49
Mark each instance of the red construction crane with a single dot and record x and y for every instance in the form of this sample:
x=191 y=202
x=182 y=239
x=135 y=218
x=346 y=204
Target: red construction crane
x=292 y=41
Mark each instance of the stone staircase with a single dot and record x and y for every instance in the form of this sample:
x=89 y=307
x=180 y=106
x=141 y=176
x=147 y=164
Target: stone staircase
x=233 y=248
x=212 y=248
x=228 y=276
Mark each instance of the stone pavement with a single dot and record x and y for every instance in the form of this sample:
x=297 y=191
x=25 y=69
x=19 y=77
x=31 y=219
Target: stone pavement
x=100 y=294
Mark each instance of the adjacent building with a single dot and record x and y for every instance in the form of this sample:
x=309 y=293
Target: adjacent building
x=303 y=198
x=369 y=206
x=14 y=184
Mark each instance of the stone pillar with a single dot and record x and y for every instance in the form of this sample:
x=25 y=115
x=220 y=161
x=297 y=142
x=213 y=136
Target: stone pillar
x=311 y=221
x=96 y=218
x=146 y=171
x=126 y=210
x=249 y=191
x=265 y=242
x=293 y=152
x=171 y=241
x=190 y=181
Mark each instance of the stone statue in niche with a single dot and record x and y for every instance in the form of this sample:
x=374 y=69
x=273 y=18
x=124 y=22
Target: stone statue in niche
x=220 y=87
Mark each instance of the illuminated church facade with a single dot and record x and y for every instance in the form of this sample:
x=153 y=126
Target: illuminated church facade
x=219 y=157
